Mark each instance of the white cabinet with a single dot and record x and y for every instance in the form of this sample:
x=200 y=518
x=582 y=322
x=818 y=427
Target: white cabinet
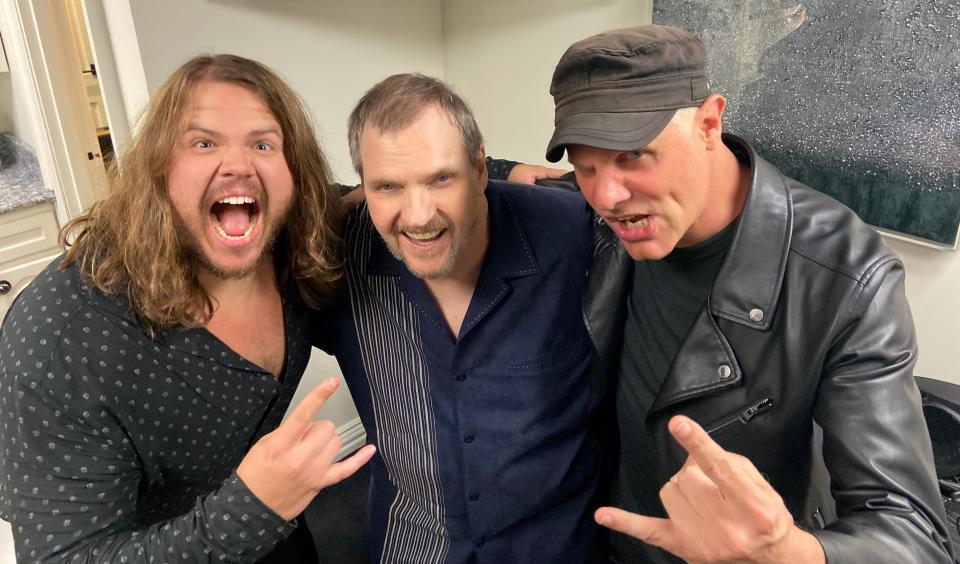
x=6 y=543
x=28 y=242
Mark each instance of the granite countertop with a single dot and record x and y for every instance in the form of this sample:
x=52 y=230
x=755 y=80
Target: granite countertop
x=20 y=182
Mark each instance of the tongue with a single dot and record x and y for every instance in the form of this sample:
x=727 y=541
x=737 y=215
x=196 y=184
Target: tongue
x=234 y=220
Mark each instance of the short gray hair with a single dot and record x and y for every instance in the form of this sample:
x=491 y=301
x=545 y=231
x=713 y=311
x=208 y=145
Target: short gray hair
x=395 y=102
x=683 y=120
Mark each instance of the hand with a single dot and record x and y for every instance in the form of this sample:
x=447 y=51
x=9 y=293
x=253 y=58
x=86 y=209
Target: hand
x=529 y=174
x=286 y=468
x=353 y=198
x=720 y=509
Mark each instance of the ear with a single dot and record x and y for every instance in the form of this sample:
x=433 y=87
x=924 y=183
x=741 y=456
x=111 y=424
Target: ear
x=481 y=167
x=709 y=120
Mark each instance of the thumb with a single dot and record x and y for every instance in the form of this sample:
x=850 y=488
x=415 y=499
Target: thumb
x=651 y=530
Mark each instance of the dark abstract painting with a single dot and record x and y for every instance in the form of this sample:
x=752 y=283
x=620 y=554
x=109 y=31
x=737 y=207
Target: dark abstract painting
x=859 y=99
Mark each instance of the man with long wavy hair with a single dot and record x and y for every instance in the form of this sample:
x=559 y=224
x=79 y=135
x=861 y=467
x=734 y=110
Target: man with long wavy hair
x=145 y=375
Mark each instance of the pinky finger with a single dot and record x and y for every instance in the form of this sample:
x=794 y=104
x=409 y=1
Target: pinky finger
x=347 y=467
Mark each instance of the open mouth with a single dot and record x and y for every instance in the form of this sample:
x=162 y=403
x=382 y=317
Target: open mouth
x=634 y=221
x=235 y=216
x=424 y=236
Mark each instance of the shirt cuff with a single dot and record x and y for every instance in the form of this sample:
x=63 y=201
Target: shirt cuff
x=242 y=524
x=499 y=169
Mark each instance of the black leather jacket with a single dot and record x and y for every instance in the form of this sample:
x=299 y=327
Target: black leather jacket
x=806 y=322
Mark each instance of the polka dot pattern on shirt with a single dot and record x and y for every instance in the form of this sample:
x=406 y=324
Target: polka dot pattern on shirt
x=116 y=447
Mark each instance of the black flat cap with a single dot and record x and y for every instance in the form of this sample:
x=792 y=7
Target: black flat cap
x=617 y=90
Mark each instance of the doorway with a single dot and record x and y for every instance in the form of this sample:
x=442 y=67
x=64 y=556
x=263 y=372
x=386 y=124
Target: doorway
x=54 y=65
x=90 y=82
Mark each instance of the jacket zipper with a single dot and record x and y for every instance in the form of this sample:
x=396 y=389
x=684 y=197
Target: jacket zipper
x=743 y=417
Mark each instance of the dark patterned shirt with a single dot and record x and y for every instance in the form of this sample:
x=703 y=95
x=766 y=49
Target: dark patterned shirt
x=118 y=448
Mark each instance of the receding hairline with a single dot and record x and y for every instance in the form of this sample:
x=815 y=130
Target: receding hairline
x=400 y=100
x=411 y=121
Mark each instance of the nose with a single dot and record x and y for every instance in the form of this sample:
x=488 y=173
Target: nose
x=236 y=163
x=418 y=208
x=606 y=191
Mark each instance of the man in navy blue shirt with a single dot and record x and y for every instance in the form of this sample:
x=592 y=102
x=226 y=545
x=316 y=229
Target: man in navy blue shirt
x=463 y=342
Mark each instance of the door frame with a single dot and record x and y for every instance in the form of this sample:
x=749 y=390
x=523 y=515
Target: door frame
x=39 y=58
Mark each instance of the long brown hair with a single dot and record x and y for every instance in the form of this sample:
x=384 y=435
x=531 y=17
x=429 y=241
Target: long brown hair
x=128 y=243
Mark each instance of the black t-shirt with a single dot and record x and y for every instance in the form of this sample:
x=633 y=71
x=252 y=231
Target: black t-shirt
x=666 y=298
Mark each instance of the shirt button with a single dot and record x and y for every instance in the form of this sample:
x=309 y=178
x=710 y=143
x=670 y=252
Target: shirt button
x=468 y=439
x=473 y=497
x=725 y=371
x=461 y=377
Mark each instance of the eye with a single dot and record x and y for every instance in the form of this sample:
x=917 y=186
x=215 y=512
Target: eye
x=582 y=171
x=203 y=144
x=632 y=155
x=261 y=146
x=443 y=179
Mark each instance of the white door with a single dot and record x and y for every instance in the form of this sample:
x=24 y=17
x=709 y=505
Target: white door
x=64 y=105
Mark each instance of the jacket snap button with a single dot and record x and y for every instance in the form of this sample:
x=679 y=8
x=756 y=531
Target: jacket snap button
x=725 y=371
x=756 y=314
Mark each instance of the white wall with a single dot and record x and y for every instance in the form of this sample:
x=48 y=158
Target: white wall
x=330 y=51
x=933 y=289
x=500 y=56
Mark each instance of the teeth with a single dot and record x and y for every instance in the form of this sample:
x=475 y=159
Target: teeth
x=236 y=200
x=640 y=223
x=237 y=237
x=424 y=235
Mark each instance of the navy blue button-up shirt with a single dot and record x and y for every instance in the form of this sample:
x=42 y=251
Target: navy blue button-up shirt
x=485 y=449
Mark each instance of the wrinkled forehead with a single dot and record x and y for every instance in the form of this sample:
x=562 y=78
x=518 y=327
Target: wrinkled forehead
x=227 y=103
x=431 y=139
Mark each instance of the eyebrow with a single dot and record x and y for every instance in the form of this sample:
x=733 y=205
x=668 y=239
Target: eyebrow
x=255 y=133
x=194 y=127
x=268 y=131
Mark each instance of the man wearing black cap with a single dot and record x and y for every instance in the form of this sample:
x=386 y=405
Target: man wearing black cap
x=738 y=308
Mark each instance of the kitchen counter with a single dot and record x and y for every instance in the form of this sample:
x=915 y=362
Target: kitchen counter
x=20 y=182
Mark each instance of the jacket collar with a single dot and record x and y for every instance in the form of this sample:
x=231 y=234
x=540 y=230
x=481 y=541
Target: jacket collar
x=748 y=284
x=746 y=290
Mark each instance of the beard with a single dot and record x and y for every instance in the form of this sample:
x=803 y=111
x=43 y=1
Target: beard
x=455 y=247
x=453 y=254
x=192 y=251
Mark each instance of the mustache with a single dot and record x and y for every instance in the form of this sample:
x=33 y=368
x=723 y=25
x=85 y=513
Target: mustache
x=218 y=190
x=435 y=224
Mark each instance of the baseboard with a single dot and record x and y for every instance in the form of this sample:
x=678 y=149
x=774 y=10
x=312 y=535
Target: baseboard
x=353 y=436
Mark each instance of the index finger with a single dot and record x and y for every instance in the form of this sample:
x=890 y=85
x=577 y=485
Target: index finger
x=553 y=172
x=301 y=416
x=715 y=462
